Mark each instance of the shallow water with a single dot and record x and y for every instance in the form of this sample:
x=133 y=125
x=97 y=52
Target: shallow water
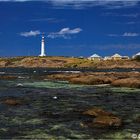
x=43 y=116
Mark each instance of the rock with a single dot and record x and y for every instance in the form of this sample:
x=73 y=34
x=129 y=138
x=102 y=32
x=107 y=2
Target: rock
x=127 y=82
x=122 y=79
x=101 y=118
x=91 y=80
x=83 y=125
x=7 y=77
x=12 y=102
x=137 y=120
x=95 y=112
x=107 y=121
x=103 y=122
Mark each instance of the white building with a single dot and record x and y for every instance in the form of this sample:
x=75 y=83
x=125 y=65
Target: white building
x=125 y=57
x=116 y=57
x=107 y=58
x=136 y=55
x=42 y=47
x=95 y=57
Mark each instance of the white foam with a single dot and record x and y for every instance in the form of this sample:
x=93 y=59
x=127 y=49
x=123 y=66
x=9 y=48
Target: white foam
x=19 y=85
x=2 y=72
x=55 y=97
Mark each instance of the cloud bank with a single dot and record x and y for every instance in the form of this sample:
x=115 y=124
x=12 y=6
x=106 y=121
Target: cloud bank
x=64 y=33
x=30 y=33
x=126 y=34
x=130 y=34
x=80 y=4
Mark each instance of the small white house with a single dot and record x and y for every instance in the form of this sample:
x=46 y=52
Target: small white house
x=136 y=55
x=116 y=57
x=95 y=57
x=125 y=57
x=107 y=58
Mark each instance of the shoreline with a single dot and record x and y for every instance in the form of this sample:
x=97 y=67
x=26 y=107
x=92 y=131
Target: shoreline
x=119 y=73
x=117 y=79
x=66 y=63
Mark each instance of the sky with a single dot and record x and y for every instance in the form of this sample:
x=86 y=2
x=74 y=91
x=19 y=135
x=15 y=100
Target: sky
x=71 y=27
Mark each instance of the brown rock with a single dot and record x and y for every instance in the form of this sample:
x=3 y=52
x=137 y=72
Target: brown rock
x=91 y=80
x=7 y=77
x=101 y=119
x=95 y=112
x=127 y=82
x=12 y=102
x=105 y=121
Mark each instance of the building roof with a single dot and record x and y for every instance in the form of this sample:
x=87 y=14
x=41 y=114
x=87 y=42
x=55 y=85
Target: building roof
x=137 y=54
x=116 y=55
x=95 y=56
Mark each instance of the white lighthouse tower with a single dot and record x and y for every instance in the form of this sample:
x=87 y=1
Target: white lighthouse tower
x=42 y=46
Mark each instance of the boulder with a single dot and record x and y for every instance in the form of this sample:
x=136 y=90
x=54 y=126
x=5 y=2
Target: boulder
x=12 y=102
x=101 y=119
x=95 y=112
x=106 y=121
x=127 y=82
x=7 y=77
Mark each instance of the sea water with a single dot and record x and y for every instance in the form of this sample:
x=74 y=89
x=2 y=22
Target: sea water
x=52 y=109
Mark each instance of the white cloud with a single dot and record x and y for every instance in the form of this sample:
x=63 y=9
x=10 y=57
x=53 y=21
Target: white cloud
x=126 y=34
x=78 y=4
x=132 y=15
x=130 y=34
x=30 y=33
x=64 y=33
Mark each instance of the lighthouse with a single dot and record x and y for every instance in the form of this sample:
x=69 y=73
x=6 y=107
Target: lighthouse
x=42 y=46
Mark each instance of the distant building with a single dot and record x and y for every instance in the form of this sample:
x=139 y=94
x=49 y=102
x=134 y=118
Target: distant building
x=81 y=57
x=125 y=57
x=116 y=57
x=107 y=58
x=136 y=55
x=95 y=57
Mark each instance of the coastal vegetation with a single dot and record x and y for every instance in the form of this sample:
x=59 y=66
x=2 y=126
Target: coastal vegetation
x=66 y=62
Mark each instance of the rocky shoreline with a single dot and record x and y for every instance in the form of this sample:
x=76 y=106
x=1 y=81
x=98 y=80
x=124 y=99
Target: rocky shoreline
x=65 y=62
x=118 y=79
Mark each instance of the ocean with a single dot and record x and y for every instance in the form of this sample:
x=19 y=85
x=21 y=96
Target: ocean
x=53 y=109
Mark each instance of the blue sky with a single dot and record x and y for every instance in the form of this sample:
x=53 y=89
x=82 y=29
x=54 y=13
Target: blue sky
x=72 y=27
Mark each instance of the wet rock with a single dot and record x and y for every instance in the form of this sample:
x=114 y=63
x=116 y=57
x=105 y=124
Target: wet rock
x=62 y=76
x=106 y=121
x=100 y=119
x=127 y=82
x=123 y=79
x=12 y=102
x=95 y=112
x=7 y=77
x=103 y=122
x=91 y=80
